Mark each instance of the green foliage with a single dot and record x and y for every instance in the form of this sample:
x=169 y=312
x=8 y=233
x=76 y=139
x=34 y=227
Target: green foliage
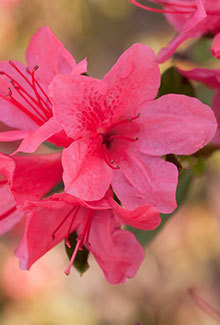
x=185 y=180
x=81 y=259
x=173 y=82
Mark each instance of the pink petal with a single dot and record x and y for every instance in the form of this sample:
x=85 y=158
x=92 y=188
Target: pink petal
x=14 y=135
x=175 y=124
x=210 y=77
x=79 y=104
x=216 y=46
x=135 y=77
x=41 y=134
x=39 y=228
x=7 y=167
x=7 y=204
x=116 y=251
x=80 y=67
x=86 y=175
x=145 y=217
x=194 y=27
x=34 y=176
x=144 y=180
x=46 y=51
x=216 y=108
x=102 y=204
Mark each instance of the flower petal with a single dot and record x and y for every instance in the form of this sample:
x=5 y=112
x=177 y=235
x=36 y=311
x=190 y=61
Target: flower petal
x=79 y=104
x=8 y=204
x=86 y=175
x=145 y=217
x=144 y=179
x=35 y=138
x=46 y=51
x=135 y=77
x=39 y=228
x=216 y=106
x=116 y=251
x=14 y=135
x=210 y=77
x=175 y=124
x=34 y=176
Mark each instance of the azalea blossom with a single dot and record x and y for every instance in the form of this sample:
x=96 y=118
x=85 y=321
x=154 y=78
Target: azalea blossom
x=98 y=227
x=24 y=100
x=191 y=19
x=25 y=178
x=119 y=132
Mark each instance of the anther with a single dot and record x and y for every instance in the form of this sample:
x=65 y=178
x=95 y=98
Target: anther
x=36 y=67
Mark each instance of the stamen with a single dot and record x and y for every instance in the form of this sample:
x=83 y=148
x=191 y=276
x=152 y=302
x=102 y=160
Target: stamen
x=128 y=120
x=67 y=271
x=47 y=110
x=121 y=137
x=29 y=103
x=21 y=107
x=107 y=158
x=70 y=227
x=40 y=105
x=82 y=239
x=7 y=213
x=172 y=4
x=137 y=4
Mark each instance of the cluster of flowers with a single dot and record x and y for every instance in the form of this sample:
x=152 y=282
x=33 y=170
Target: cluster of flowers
x=111 y=136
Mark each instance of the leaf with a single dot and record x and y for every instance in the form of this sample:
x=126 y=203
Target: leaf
x=145 y=237
x=81 y=259
x=173 y=82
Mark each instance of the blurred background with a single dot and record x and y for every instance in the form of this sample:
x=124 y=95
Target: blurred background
x=182 y=264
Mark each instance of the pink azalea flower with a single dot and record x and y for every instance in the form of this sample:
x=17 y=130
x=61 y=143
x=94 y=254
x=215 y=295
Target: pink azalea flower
x=119 y=133
x=211 y=78
x=98 y=227
x=25 y=105
x=25 y=178
x=191 y=18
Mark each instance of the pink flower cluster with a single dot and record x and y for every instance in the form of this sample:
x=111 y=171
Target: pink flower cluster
x=113 y=134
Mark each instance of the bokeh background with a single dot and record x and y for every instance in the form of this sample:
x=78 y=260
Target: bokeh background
x=183 y=262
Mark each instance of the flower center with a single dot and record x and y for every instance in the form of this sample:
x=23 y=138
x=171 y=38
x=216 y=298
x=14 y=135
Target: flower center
x=109 y=136
x=177 y=7
x=31 y=100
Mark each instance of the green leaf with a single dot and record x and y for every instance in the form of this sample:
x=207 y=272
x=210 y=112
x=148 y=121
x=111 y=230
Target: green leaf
x=145 y=237
x=173 y=82
x=81 y=259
